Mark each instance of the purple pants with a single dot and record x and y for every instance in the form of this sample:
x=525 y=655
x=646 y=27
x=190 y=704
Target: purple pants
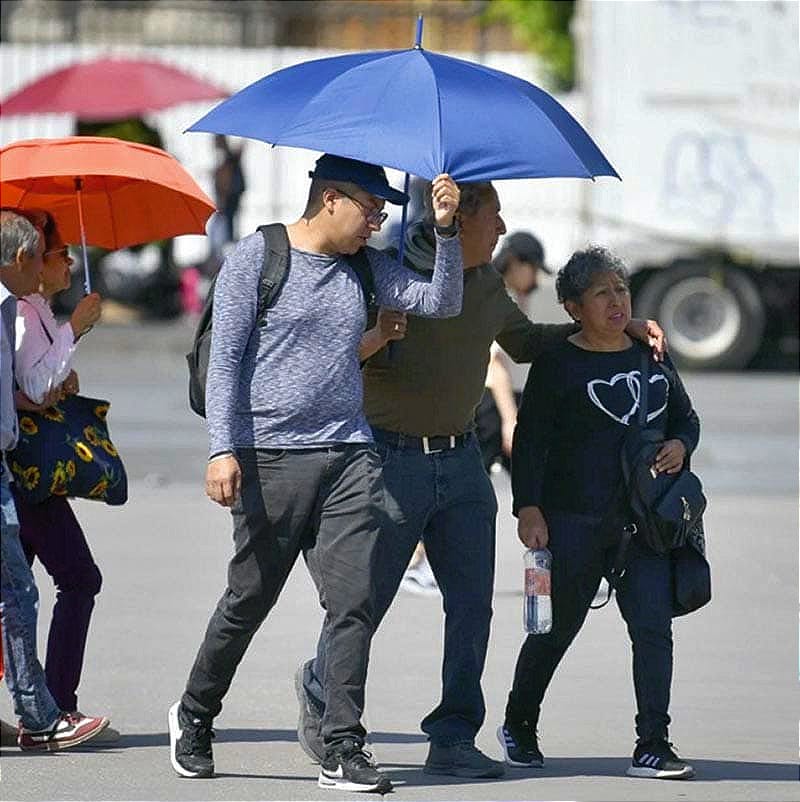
x=51 y=532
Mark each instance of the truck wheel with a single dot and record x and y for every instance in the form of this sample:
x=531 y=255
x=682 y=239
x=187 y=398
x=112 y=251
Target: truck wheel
x=713 y=315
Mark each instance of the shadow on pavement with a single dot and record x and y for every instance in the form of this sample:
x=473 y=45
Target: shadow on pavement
x=228 y=735
x=398 y=738
x=705 y=770
x=558 y=768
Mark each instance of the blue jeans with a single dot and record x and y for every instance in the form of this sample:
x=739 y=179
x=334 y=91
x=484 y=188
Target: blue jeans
x=447 y=500
x=24 y=675
x=581 y=556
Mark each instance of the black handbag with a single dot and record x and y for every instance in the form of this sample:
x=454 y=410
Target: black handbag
x=691 y=574
x=665 y=506
x=66 y=450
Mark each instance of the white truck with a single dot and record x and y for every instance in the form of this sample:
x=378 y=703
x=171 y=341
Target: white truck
x=696 y=105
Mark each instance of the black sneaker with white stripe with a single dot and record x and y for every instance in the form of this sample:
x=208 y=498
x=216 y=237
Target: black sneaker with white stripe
x=520 y=748
x=349 y=767
x=656 y=759
x=190 y=743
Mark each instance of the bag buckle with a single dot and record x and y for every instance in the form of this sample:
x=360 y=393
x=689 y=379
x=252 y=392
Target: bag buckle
x=426 y=447
x=687 y=510
x=630 y=529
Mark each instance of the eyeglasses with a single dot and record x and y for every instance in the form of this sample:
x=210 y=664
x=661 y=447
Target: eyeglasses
x=375 y=217
x=62 y=252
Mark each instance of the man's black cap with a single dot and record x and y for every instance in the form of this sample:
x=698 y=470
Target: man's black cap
x=526 y=248
x=369 y=177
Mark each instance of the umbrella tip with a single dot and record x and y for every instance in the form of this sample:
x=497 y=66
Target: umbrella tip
x=418 y=42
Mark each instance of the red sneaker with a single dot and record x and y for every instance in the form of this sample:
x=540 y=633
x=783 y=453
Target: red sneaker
x=68 y=730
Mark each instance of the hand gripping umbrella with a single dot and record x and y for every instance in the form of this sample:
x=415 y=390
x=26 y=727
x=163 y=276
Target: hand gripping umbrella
x=103 y=191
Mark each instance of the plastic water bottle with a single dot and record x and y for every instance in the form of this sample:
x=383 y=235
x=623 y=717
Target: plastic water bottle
x=538 y=611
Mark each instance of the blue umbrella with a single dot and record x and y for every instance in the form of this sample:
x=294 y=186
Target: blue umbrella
x=416 y=111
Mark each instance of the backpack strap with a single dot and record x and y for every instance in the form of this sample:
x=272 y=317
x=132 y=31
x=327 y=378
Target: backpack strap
x=359 y=262
x=274 y=269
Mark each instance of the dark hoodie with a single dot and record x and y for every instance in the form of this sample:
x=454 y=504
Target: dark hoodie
x=436 y=374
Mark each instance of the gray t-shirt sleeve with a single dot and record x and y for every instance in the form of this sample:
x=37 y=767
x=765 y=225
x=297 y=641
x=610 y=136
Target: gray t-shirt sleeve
x=400 y=288
x=235 y=307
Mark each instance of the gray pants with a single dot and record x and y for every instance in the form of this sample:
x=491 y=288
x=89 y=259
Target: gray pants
x=327 y=503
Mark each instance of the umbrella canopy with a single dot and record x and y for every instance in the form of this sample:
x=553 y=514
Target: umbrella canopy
x=416 y=111
x=130 y=193
x=103 y=191
x=110 y=89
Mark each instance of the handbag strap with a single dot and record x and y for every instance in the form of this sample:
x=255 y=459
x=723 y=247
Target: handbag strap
x=618 y=567
x=644 y=384
x=630 y=529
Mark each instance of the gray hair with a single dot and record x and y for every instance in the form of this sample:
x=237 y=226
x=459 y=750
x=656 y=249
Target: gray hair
x=16 y=232
x=473 y=196
x=578 y=273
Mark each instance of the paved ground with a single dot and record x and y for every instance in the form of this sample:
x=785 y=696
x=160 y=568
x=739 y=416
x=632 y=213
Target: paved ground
x=735 y=701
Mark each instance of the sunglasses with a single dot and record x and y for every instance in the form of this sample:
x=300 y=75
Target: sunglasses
x=62 y=252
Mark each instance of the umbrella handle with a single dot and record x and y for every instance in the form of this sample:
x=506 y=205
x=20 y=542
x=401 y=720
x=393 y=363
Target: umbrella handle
x=87 y=281
x=402 y=248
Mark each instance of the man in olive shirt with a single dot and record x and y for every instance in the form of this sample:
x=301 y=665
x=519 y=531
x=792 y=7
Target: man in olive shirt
x=420 y=396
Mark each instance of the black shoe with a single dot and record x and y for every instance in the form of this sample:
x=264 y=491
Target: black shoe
x=190 y=743
x=520 y=747
x=348 y=767
x=654 y=758
x=309 y=720
x=461 y=759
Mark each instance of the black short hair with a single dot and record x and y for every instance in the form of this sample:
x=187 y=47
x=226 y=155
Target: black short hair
x=473 y=196
x=577 y=274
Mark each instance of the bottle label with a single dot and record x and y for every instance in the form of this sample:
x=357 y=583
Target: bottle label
x=530 y=582
x=537 y=582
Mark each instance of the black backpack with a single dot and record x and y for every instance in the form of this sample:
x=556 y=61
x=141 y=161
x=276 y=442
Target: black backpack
x=273 y=274
x=666 y=507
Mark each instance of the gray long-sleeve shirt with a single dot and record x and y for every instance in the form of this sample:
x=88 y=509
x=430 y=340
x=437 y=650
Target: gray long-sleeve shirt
x=296 y=382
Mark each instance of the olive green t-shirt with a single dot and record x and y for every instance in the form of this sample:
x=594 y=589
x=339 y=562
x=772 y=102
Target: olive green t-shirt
x=434 y=377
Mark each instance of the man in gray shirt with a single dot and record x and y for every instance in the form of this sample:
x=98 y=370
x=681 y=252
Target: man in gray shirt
x=291 y=452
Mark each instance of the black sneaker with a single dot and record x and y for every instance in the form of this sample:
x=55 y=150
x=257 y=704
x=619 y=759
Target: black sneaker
x=461 y=759
x=655 y=759
x=520 y=748
x=309 y=720
x=190 y=743
x=349 y=767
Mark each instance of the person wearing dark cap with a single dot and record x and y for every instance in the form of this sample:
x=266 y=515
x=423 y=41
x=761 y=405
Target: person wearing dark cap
x=520 y=261
x=291 y=452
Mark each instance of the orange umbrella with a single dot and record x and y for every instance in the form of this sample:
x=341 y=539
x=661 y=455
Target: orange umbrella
x=103 y=191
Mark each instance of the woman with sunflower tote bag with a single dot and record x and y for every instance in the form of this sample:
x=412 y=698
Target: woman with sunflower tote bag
x=49 y=529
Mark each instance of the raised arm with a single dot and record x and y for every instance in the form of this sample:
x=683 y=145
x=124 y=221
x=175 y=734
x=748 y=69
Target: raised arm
x=398 y=287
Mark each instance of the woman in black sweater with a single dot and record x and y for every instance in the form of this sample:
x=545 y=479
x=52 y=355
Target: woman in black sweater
x=566 y=476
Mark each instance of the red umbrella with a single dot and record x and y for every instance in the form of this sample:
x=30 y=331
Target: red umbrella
x=110 y=89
